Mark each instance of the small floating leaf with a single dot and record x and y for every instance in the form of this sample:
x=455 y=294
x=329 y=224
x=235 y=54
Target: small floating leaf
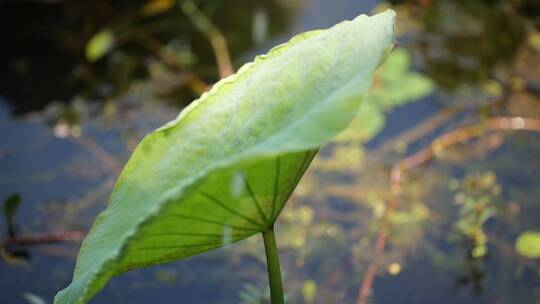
x=256 y=130
x=528 y=244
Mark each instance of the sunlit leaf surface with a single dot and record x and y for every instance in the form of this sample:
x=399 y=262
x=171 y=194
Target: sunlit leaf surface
x=224 y=169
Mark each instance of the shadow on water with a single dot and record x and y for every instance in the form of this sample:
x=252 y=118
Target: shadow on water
x=68 y=124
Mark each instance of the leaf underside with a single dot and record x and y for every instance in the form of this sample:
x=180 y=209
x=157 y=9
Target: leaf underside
x=225 y=168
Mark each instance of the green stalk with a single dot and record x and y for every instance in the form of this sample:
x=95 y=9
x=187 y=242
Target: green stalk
x=272 y=262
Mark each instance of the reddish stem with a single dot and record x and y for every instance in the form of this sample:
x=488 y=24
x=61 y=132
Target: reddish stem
x=45 y=238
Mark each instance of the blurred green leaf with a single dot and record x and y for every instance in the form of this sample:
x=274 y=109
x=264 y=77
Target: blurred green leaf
x=396 y=84
x=309 y=291
x=528 y=244
x=99 y=45
x=11 y=204
x=368 y=122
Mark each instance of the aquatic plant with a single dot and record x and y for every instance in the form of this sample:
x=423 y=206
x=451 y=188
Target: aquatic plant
x=225 y=168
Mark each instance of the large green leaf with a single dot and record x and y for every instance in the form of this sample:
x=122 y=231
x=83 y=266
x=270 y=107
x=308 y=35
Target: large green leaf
x=224 y=169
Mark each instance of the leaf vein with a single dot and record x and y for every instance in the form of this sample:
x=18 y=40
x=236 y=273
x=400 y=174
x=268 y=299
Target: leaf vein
x=255 y=200
x=216 y=222
x=192 y=234
x=181 y=246
x=224 y=206
x=276 y=187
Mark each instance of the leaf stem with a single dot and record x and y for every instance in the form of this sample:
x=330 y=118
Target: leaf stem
x=272 y=262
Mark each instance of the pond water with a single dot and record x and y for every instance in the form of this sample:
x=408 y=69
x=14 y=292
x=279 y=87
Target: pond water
x=449 y=226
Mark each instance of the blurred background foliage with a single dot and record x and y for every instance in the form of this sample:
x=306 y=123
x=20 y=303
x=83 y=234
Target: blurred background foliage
x=428 y=197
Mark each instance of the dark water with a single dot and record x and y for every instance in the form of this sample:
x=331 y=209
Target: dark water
x=482 y=59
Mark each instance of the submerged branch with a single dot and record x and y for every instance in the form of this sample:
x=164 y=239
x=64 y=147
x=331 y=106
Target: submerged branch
x=457 y=136
x=45 y=238
x=107 y=159
x=400 y=169
x=422 y=129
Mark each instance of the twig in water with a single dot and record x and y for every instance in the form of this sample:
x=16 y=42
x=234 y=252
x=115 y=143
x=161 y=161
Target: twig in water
x=106 y=158
x=401 y=168
x=45 y=238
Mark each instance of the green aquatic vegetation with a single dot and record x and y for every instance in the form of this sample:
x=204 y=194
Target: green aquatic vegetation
x=476 y=199
x=309 y=291
x=528 y=244
x=224 y=169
